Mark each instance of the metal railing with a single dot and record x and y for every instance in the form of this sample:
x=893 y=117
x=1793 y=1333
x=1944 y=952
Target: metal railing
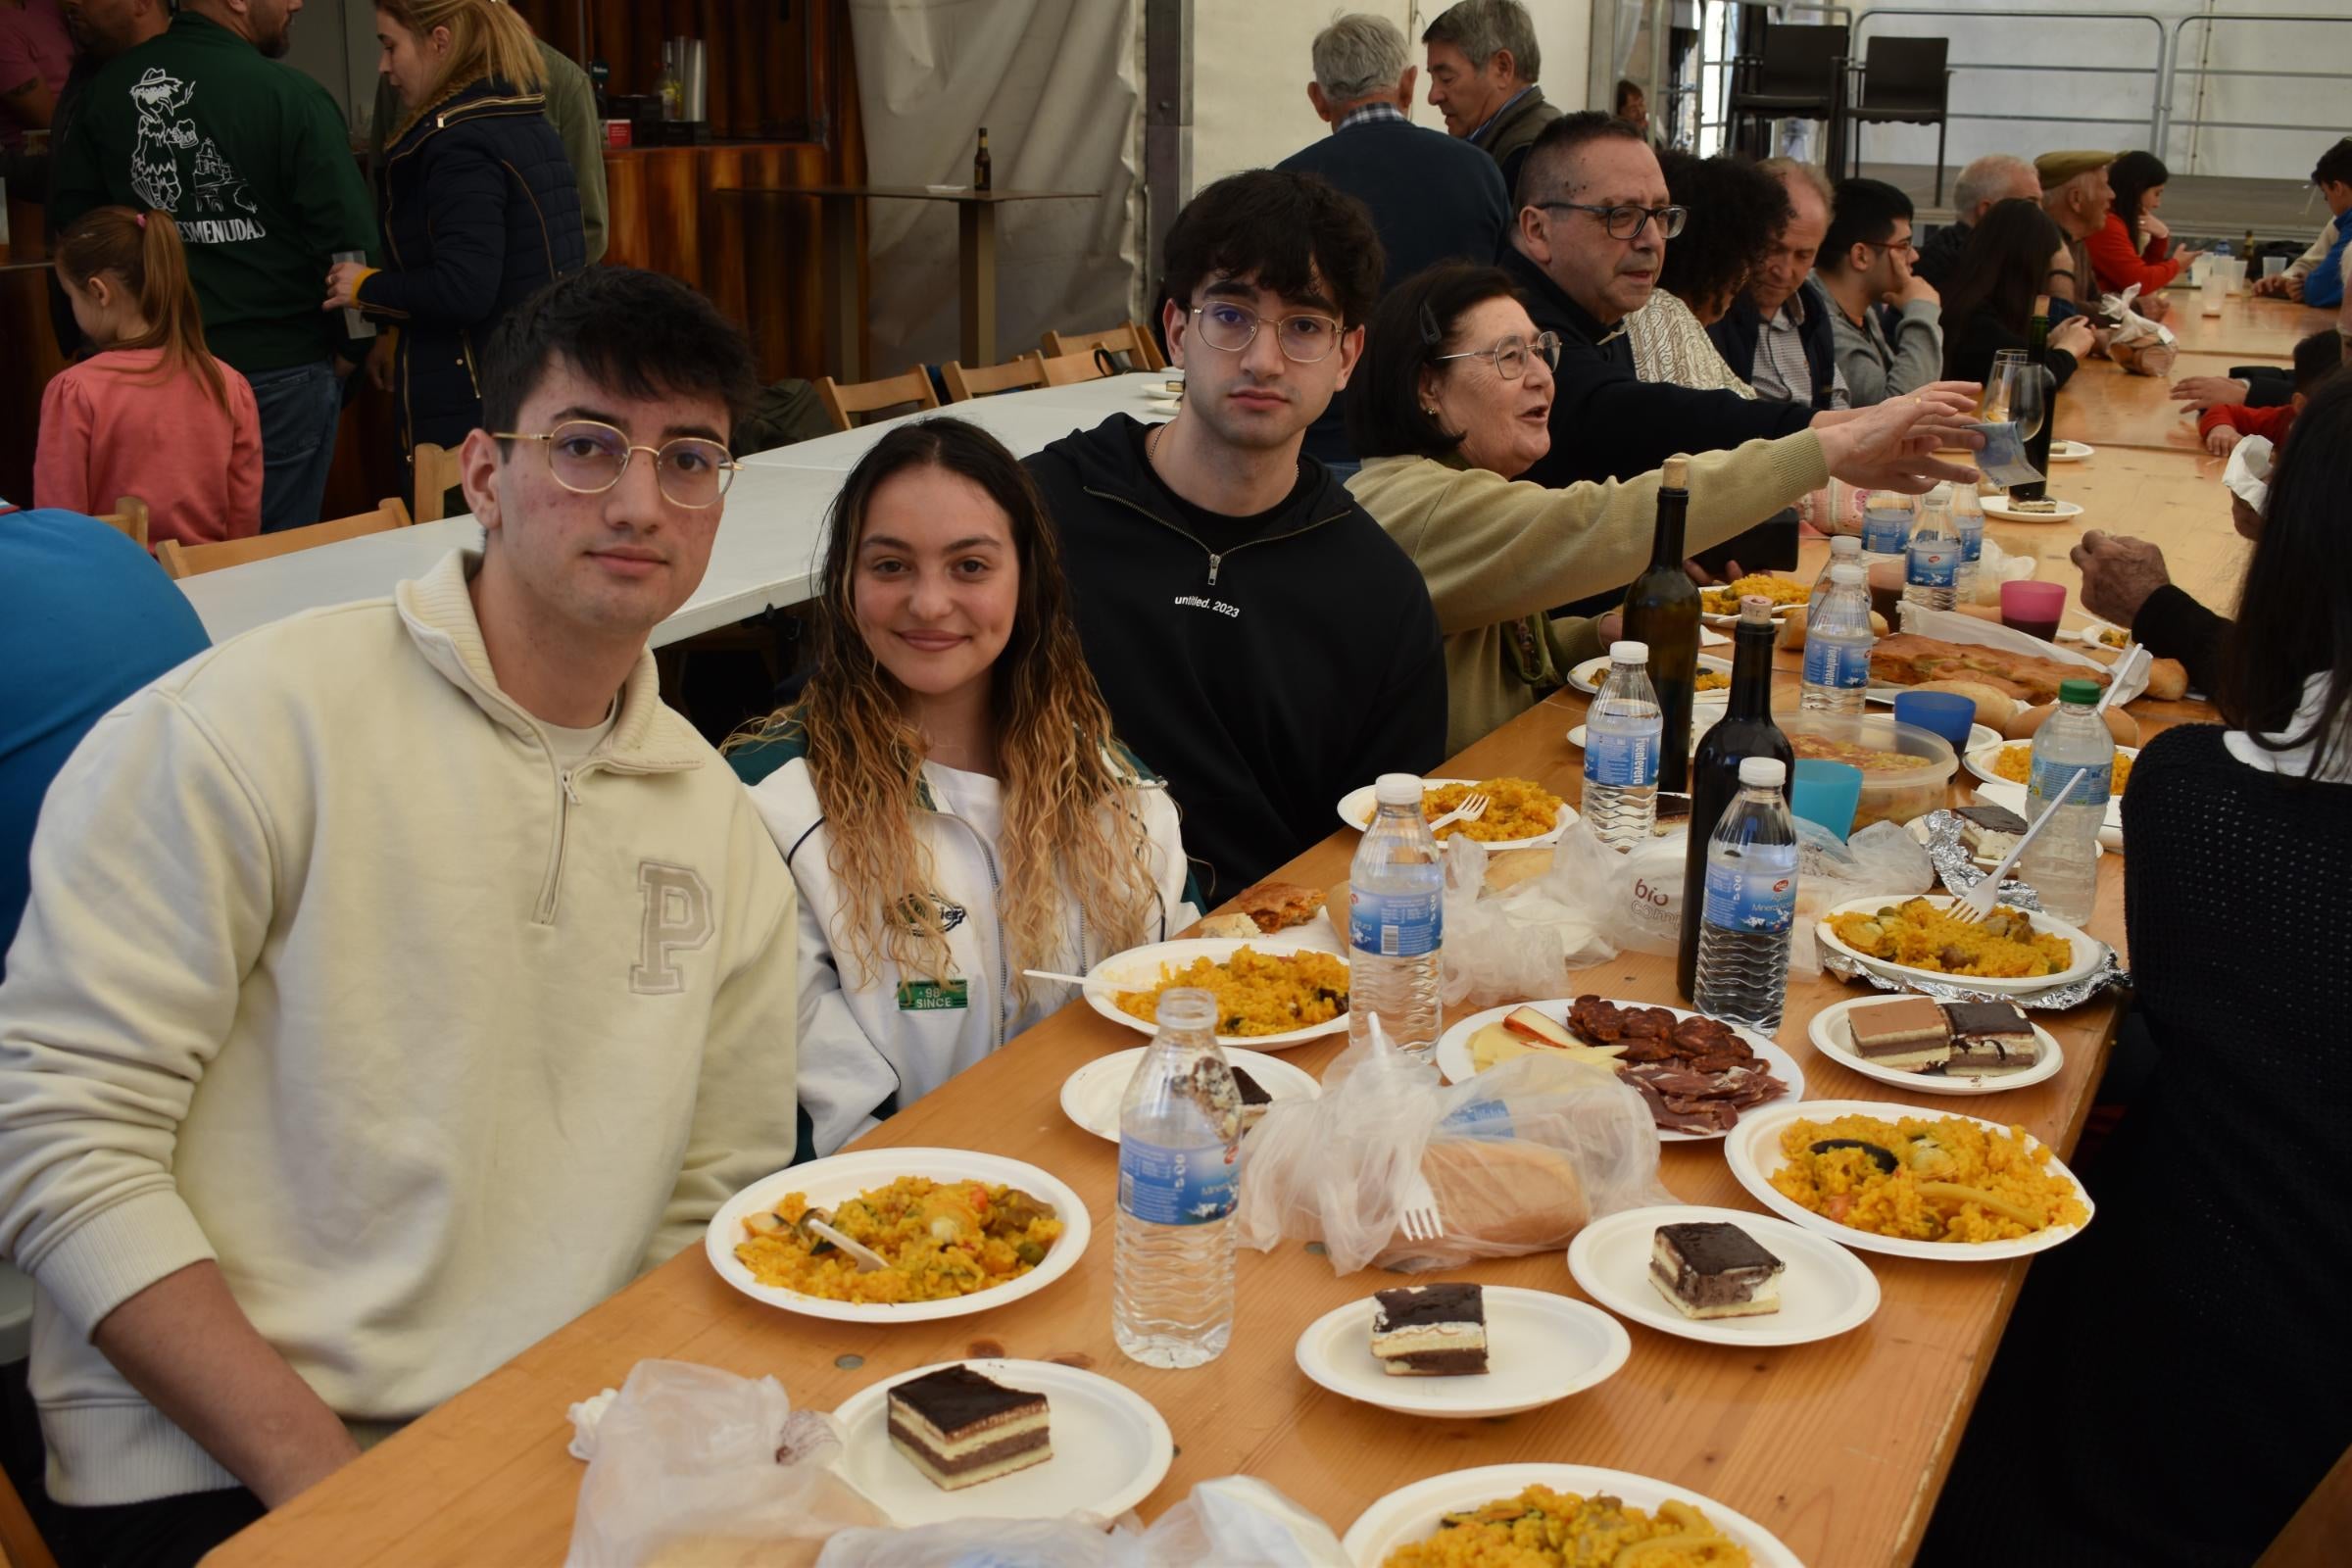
x=2159 y=83
x=2166 y=124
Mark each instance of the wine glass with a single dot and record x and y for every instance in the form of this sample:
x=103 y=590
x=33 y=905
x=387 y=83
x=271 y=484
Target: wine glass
x=2018 y=387
x=1993 y=400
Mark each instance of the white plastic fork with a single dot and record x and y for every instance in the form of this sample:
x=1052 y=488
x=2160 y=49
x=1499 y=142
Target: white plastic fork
x=1974 y=906
x=1473 y=808
x=1419 y=1217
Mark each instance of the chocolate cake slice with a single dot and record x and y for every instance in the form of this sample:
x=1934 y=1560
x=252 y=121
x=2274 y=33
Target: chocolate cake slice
x=1991 y=1037
x=1430 y=1331
x=1991 y=831
x=960 y=1428
x=1908 y=1035
x=1255 y=1098
x=1713 y=1269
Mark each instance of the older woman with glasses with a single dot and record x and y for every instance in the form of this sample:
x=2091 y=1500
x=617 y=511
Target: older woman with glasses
x=1454 y=400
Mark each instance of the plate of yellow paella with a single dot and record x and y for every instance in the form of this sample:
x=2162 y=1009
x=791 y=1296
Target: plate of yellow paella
x=1908 y=937
x=1481 y=1515
x=1520 y=815
x=1272 y=992
x=960 y=1231
x=1907 y=1181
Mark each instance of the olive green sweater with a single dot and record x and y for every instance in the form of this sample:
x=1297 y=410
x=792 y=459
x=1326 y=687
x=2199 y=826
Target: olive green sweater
x=1499 y=553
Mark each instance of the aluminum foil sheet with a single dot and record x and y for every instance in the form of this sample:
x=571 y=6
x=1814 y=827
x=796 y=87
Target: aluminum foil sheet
x=1957 y=870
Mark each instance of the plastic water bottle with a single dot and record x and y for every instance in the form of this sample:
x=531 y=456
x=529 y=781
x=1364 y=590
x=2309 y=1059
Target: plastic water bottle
x=1837 y=645
x=1623 y=732
x=1845 y=549
x=1968 y=526
x=1396 y=922
x=1885 y=526
x=1750 y=907
x=2063 y=862
x=1180 y=1140
x=1931 y=574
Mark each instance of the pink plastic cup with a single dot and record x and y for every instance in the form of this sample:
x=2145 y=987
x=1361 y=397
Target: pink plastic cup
x=2034 y=608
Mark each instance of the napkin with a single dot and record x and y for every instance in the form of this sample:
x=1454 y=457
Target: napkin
x=2249 y=474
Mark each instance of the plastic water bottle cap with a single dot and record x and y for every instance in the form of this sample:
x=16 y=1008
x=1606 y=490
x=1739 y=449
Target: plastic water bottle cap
x=1398 y=789
x=1629 y=652
x=1844 y=544
x=2080 y=693
x=1763 y=773
x=1847 y=572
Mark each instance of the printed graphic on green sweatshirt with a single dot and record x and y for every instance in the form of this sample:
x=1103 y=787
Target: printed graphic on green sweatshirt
x=677 y=920
x=172 y=162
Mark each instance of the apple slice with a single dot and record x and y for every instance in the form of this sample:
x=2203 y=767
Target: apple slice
x=1532 y=1024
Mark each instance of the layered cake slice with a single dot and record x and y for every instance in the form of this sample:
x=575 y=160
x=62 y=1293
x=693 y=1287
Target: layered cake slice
x=1907 y=1034
x=1991 y=1037
x=1255 y=1098
x=960 y=1428
x=1430 y=1331
x=1712 y=1269
x=1989 y=831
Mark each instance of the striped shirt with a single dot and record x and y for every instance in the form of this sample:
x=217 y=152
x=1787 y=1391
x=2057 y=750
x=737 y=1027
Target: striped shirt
x=1378 y=109
x=1781 y=371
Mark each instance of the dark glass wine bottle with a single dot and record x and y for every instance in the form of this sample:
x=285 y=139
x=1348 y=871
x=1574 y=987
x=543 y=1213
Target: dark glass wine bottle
x=1745 y=730
x=1661 y=608
x=981 y=172
x=2037 y=447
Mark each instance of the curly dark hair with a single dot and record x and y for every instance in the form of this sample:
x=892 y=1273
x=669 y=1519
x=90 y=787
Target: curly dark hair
x=1737 y=211
x=1288 y=231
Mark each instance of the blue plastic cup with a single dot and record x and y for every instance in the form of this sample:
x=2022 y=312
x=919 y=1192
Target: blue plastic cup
x=1826 y=792
x=1942 y=712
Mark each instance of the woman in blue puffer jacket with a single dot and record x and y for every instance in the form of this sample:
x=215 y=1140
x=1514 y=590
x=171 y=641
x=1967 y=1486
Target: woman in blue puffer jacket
x=477 y=200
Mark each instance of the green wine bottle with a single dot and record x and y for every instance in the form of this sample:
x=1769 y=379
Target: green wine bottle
x=1661 y=608
x=2037 y=445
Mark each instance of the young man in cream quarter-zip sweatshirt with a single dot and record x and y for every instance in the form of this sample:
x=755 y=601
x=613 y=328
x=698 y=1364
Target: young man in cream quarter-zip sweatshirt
x=399 y=979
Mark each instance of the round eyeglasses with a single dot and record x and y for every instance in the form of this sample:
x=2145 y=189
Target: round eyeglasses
x=1624 y=221
x=1509 y=356
x=1304 y=338
x=588 y=457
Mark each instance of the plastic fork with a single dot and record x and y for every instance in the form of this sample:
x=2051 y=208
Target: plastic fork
x=865 y=1257
x=2120 y=672
x=1473 y=808
x=1419 y=1217
x=1974 y=906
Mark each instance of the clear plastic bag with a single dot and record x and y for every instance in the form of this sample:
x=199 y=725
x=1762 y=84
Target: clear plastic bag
x=1233 y=1522
x=1520 y=943
x=1518 y=1159
x=692 y=1467
x=1883 y=858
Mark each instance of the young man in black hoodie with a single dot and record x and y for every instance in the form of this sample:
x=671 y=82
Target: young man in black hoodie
x=1262 y=643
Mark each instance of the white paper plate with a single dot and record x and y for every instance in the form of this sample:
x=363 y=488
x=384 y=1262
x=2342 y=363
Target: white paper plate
x=1828 y=1032
x=1980 y=762
x=1825 y=1289
x=2089 y=949
x=2088 y=634
x=1588 y=676
x=2072 y=451
x=1454 y=1052
x=1998 y=510
x=832 y=1182
x=1540 y=1347
x=2013 y=796
x=1753 y=1152
x=1731 y=617
x=1138 y=967
x=1111 y=1448
x=1090 y=1096
x=1357 y=806
x=1413 y=1513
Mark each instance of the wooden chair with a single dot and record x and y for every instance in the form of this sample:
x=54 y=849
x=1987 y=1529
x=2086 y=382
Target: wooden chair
x=186 y=560
x=436 y=472
x=1063 y=370
x=981 y=380
x=128 y=517
x=866 y=397
x=1131 y=339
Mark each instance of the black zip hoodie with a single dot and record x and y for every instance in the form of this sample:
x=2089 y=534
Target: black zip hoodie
x=1263 y=680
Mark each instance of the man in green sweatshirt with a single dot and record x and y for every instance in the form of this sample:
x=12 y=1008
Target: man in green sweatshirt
x=252 y=159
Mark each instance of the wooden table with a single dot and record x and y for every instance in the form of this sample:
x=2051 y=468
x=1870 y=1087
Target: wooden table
x=841 y=209
x=2174 y=497
x=2248 y=327
x=2136 y=411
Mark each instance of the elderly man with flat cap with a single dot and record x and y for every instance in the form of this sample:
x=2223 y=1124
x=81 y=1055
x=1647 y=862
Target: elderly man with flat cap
x=2076 y=194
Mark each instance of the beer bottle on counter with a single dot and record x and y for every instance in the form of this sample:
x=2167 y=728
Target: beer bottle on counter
x=2037 y=445
x=980 y=170
x=1661 y=608
x=1745 y=730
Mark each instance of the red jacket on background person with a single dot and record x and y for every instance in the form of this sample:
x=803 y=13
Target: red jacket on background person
x=2273 y=422
x=2119 y=265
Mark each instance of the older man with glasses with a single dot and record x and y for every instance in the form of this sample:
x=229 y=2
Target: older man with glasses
x=1886 y=318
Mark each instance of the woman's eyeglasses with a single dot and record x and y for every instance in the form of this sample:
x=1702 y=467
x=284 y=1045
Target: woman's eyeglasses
x=1510 y=355
x=588 y=457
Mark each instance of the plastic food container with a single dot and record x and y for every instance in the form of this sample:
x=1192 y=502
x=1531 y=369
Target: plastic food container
x=1906 y=771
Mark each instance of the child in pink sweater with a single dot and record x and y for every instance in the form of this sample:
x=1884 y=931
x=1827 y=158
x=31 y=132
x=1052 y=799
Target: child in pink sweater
x=152 y=415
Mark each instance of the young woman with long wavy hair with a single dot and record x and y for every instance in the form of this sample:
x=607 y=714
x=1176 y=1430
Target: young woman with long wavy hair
x=946 y=789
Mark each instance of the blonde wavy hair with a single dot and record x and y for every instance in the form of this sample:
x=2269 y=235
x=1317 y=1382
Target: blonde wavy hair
x=1070 y=831
x=486 y=39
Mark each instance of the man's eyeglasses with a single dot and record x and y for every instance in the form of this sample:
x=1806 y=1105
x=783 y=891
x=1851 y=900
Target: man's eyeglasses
x=589 y=457
x=1902 y=246
x=1624 y=221
x=1509 y=356
x=1304 y=338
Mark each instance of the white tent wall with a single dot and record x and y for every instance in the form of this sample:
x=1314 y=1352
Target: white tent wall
x=2115 y=35
x=1055 y=83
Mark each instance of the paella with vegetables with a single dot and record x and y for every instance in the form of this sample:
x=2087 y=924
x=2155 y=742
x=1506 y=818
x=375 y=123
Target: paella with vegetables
x=1257 y=992
x=1919 y=935
x=1541 y=1527
x=941 y=1240
x=1925 y=1179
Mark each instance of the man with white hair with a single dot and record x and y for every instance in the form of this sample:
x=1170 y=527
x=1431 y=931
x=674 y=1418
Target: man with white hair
x=1432 y=198
x=1993 y=177
x=1483 y=64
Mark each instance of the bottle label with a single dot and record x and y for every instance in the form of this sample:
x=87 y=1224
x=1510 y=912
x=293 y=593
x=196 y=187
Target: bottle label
x=1842 y=666
x=2049 y=777
x=1395 y=925
x=1934 y=563
x=1757 y=894
x=1479 y=1118
x=1623 y=757
x=1884 y=532
x=1163 y=1186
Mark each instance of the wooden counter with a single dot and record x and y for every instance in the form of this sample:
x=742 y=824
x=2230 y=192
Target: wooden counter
x=2248 y=327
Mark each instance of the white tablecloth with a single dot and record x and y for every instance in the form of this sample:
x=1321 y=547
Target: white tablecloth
x=768 y=547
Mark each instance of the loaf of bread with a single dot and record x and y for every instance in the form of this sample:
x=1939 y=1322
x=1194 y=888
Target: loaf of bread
x=2168 y=680
x=1909 y=659
x=1506 y=1196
